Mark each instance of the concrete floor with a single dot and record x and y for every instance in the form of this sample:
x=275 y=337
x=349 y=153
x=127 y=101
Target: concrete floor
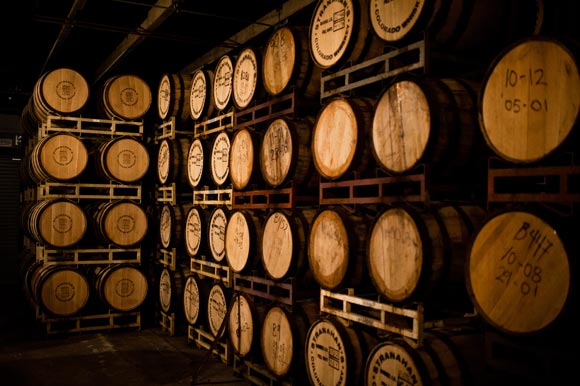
x=124 y=357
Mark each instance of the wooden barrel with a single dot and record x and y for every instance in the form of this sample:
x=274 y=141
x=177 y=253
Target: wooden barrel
x=201 y=100
x=244 y=158
x=457 y=25
x=218 y=303
x=523 y=97
x=453 y=358
x=60 y=290
x=56 y=222
x=196 y=231
x=287 y=65
x=285 y=153
x=336 y=249
x=247 y=82
x=171 y=286
x=220 y=159
x=335 y=354
x=172 y=98
x=283 y=338
x=340 y=136
x=242 y=247
x=119 y=222
x=121 y=287
x=172 y=225
x=412 y=254
x=198 y=163
x=61 y=91
x=195 y=297
x=244 y=325
x=431 y=121
x=284 y=245
x=217 y=225
x=222 y=83
x=123 y=159
x=172 y=160
x=340 y=32
x=518 y=273
x=58 y=157
x=125 y=97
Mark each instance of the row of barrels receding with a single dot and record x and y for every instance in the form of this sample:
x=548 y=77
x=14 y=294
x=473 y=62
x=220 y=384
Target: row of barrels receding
x=69 y=290
x=514 y=266
x=300 y=344
x=64 y=223
x=65 y=157
x=66 y=92
x=339 y=32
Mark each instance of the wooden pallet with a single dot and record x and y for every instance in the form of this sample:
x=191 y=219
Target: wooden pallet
x=87 y=256
x=169 y=194
x=205 y=340
x=168 y=129
x=90 y=126
x=212 y=270
x=282 y=198
x=86 y=323
x=273 y=108
x=395 y=62
x=167 y=257
x=225 y=121
x=167 y=322
x=108 y=191
x=285 y=291
x=206 y=197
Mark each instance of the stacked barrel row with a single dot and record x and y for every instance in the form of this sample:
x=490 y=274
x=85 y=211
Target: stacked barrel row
x=66 y=167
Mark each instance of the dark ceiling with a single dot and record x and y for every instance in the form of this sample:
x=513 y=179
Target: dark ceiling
x=101 y=38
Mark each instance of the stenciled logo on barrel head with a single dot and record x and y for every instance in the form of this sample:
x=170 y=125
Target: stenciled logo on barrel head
x=62 y=223
x=331 y=31
x=63 y=155
x=65 y=90
x=165 y=290
x=124 y=287
x=125 y=224
x=245 y=78
x=198 y=95
x=164 y=96
x=194 y=232
x=393 y=19
x=129 y=96
x=220 y=158
x=217 y=234
x=326 y=355
x=195 y=163
x=126 y=159
x=191 y=300
x=391 y=365
x=65 y=291
x=223 y=82
x=216 y=309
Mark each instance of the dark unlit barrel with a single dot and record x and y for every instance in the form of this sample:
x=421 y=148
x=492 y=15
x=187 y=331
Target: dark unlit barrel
x=220 y=159
x=122 y=287
x=198 y=163
x=284 y=245
x=60 y=290
x=217 y=304
x=218 y=222
x=518 y=273
x=414 y=253
x=58 y=157
x=124 y=159
x=529 y=100
x=427 y=120
x=173 y=97
x=340 y=137
x=336 y=249
x=60 y=223
x=246 y=81
x=285 y=152
x=340 y=32
x=222 y=83
x=242 y=247
x=126 y=97
x=201 y=101
x=195 y=297
x=445 y=358
x=335 y=354
x=244 y=158
x=283 y=338
x=172 y=160
x=172 y=225
x=120 y=222
x=196 y=231
x=244 y=325
x=286 y=63
x=62 y=91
